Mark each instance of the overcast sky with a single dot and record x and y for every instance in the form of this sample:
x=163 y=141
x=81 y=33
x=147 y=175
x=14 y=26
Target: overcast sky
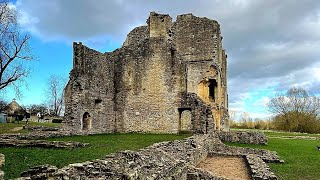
x=272 y=45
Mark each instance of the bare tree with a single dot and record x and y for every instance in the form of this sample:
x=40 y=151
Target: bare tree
x=14 y=50
x=54 y=94
x=3 y=104
x=295 y=100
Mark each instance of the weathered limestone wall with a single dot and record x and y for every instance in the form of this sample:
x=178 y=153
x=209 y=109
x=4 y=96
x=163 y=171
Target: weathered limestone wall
x=159 y=25
x=137 y=35
x=140 y=86
x=149 y=76
x=195 y=37
x=90 y=89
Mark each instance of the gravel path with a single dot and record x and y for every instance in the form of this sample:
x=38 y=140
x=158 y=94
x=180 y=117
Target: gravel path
x=228 y=167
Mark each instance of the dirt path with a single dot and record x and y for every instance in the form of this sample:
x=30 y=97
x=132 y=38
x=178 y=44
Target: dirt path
x=233 y=168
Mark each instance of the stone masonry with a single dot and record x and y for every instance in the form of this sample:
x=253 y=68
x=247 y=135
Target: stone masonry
x=166 y=160
x=166 y=78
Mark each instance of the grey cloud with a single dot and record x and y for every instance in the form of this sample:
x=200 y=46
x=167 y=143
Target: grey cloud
x=269 y=43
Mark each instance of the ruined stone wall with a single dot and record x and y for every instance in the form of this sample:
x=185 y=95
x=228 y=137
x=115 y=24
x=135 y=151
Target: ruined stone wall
x=243 y=137
x=140 y=86
x=2 y=160
x=90 y=89
x=195 y=37
x=149 y=84
x=199 y=42
x=201 y=114
x=165 y=160
x=137 y=35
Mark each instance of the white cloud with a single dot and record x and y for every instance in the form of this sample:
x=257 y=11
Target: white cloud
x=270 y=44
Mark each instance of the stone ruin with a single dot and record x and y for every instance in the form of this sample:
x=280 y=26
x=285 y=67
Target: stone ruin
x=177 y=159
x=167 y=77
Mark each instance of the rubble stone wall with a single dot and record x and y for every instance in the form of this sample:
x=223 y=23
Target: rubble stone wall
x=2 y=160
x=90 y=89
x=243 y=137
x=165 y=160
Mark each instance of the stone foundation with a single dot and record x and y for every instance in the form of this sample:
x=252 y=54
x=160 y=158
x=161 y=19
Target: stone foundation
x=2 y=160
x=40 y=143
x=243 y=137
x=166 y=160
x=41 y=128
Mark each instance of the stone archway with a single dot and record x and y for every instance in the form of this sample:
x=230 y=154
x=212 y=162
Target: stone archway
x=86 y=121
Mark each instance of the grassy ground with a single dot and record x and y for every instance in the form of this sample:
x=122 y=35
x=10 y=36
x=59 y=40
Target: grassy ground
x=271 y=133
x=21 y=159
x=302 y=159
x=13 y=127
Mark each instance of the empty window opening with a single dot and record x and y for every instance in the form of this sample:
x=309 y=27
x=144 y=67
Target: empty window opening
x=213 y=89
x=86 y=121
x=97 y=101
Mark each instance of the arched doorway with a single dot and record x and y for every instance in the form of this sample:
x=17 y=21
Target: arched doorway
x=86 y=121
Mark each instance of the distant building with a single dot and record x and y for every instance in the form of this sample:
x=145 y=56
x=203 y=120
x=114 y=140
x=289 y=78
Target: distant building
x=14 y=108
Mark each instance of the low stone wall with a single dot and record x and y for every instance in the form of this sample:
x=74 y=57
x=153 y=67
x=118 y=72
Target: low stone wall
x=2 y=160
x=40 y=143
x=259 y=169
x=166 y=160
x=37 y=135
x=40 y=128
x=243 y=137
x=265 y=155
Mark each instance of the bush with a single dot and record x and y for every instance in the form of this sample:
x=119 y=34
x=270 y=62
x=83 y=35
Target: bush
x=297 y=122
x=56 y=120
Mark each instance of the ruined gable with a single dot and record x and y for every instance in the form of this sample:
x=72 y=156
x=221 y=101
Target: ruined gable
x=167 y=77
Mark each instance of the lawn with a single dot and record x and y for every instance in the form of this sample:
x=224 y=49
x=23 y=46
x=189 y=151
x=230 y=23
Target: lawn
x=302 y=159
x=21 y=159
x=10 y=127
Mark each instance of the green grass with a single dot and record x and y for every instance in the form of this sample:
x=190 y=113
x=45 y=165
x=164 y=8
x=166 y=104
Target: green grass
x=21 y=159
x=8 y=127
x=302 y=159
x=272 y=133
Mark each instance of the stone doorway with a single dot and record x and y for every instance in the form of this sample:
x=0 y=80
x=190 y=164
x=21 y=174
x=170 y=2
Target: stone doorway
x=86 y=121
x=185 y=120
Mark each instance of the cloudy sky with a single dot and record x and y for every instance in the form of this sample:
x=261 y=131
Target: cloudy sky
x=271 y=45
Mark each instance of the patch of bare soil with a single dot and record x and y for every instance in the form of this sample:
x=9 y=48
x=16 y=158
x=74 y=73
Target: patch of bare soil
x=234 y=168
x=16 y=129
